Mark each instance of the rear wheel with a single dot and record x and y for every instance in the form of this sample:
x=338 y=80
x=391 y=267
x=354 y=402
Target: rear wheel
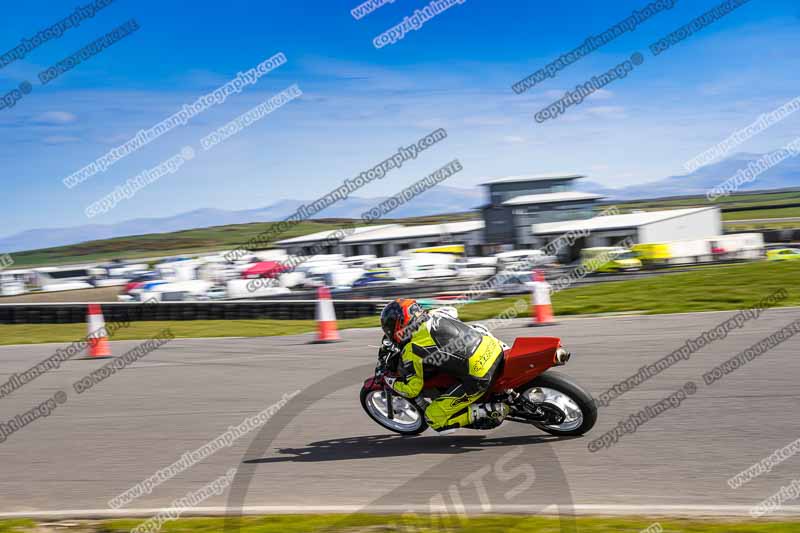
x=559 y=390
x=408 y=418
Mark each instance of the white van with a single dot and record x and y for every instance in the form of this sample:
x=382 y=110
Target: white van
x=523 y=259
x=12 y=282
x=738 y=246
x=174 y=271
x=178 y=291
x=477 y=267
x=428 y=266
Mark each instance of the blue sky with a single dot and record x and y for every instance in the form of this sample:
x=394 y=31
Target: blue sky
x=360 y=103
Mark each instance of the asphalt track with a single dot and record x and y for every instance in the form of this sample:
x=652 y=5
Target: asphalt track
x=327 y=455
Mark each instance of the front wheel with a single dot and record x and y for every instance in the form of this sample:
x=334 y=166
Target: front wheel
x=408 y=418
x=561 y=391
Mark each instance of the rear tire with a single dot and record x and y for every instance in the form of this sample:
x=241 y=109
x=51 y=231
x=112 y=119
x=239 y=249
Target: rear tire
x=567 y=386
x=376 y=415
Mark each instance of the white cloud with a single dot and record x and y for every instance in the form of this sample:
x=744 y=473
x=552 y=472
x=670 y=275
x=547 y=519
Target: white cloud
x=514 y=139
x=55 y=118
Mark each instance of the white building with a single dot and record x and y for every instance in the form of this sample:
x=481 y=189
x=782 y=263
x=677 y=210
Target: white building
x=523 y=212
x=641 y=227
x=390 y=239
x=530 y=208
x=322 y=242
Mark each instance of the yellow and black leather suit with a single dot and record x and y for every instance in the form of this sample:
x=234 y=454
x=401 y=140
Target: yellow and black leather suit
x=444 y=344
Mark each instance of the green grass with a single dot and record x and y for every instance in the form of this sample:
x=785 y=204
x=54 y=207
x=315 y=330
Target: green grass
x=734 y=200
x=707 y=289
x=14 y=526
x=363 y=523
x=715 y=288
x=39 y=333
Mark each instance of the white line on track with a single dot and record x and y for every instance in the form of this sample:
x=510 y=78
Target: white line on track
x=739 y=511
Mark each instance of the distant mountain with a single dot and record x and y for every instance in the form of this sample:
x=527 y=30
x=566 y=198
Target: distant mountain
x=440 y=199
x=784 y=175
x=595 y=188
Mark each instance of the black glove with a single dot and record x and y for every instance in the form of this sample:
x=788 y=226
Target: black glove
x=388 y=353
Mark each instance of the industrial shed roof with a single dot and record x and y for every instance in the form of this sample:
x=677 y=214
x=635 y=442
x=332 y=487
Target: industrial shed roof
x=551 y=198
x=609 y=222
x=537 y=177
x=413 y=232
x=322 y=235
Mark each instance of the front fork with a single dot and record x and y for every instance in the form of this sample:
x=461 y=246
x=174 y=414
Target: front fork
x=388 y=392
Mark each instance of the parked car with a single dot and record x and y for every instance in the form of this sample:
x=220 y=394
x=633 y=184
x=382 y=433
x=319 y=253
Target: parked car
x=138 y=281
x=377 y=277
x=331 y=275
x=358 y=261
x=254 y=288
x=140 y=288
x=10 y=286
x=175 y=291
x=517 y=283
x=428 y=266
x=607 y=259
x=783 y=254
x=523 y=260
x=217 y=292
x=12 y=282
x=477 y=267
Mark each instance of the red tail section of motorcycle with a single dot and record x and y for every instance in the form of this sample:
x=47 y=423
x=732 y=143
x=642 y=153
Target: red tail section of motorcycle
x=526 y=359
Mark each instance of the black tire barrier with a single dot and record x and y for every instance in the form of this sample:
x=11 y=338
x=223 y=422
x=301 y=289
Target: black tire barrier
x=67 y=313
x=758 y=207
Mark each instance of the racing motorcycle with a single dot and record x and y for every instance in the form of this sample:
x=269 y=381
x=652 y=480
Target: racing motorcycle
x=537 y=395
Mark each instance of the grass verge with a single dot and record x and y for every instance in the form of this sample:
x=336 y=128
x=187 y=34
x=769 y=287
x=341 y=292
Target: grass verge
x=389 y=524
x=707 y=289
x=39 y=333
x=710 y=289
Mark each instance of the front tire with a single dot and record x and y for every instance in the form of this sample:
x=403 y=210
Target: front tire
x=409 y=418
x=562 y=391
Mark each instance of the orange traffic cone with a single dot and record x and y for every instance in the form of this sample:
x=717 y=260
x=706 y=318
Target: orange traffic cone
x=541 y=308
x=98 y=336
x=326 y=317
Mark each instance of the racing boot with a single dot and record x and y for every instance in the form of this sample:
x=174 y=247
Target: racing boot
x=487 y=415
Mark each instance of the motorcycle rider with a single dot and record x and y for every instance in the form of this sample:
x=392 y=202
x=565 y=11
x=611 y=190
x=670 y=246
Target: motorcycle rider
x=436 y=341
